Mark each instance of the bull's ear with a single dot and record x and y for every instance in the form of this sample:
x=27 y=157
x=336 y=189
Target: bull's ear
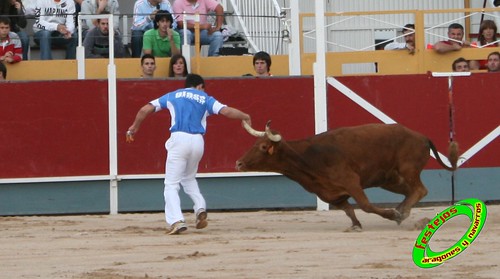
x=270 y=150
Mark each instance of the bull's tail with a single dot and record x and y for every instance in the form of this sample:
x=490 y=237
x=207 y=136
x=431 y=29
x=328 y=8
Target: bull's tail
x=452 y=155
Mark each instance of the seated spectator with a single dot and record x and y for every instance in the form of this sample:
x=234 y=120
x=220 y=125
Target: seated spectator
x=177 y=67
x=409 y=36
x=148 y=65
x=144 y=14
x=10 y=44
x=262 y=64
x=455 y=41
x=493 y=63
x=55 y=26
x=3 y=71
x=460 y=65
x=97 y=7
x=96 y=42
x=162 y=41
x=15 y=10
x=487 y=38
x=209 y=35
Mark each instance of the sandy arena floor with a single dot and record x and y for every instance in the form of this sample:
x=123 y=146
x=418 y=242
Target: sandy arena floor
x=263 y=244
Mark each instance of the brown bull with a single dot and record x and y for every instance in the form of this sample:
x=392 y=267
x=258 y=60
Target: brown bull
x=340 y=163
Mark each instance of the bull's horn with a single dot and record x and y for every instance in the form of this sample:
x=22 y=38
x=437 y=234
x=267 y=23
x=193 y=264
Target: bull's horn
x=252 y=131
x=275 y=138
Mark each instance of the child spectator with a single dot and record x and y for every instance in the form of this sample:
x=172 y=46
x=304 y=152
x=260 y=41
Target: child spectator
x=15 y=10
x=10 y=44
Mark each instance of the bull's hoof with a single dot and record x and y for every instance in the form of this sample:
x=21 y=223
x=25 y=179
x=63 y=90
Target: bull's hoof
x=354 y=228
x=398 y=217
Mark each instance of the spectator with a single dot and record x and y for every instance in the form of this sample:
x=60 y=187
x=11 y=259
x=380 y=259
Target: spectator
x=55 y=26
x=262 y=64
x=460 y=65
x=162 y=41
x=3 y=71
x=455 y=40
x=144 y=14
x=209 y=35
x=10 y=44
x=177 y=66
x=96 y=7
x=487 y=38
x=409 y=36
x=96 y=42
x=148 y=65
x=15 y=9
x=493 y=64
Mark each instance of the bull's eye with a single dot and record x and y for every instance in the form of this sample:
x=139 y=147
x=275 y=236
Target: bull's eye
x=263 y=147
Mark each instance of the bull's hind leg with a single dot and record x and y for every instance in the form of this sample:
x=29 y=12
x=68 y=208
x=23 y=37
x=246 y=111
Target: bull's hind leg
x=349 y=211
x=409 y=185
x=361 y=199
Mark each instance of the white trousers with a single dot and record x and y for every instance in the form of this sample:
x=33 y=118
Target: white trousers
x=184 y=152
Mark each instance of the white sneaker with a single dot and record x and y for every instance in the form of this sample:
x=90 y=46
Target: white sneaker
x=201 y=219
x=177 y=227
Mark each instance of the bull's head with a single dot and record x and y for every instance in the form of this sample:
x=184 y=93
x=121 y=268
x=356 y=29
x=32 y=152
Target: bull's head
x=260 y=156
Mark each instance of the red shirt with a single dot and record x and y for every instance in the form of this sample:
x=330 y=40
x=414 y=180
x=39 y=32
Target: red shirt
x=12 y=43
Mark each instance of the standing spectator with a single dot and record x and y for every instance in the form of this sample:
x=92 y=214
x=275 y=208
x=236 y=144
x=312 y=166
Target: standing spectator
x=3 y=71
x=262 y=64
x=409 y=36
x=177 y=67
x=460 y=65
x=162 y=41
x=189 y=108
x=493 y=64
x=487 y=38
x=144 y=15
x=10 y=44
x=148 y=66
x=96 y=7
x=15 y=9
x=209 y=34
x=455 y=40
x=96 y=42
x=55 y=26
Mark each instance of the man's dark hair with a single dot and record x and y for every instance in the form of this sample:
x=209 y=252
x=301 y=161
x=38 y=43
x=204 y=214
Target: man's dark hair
x=262 y=55
x=3 y=70
x=145 y=56
x=162 y=14
x=408 y=26
x=494 y=53
x=5 y=20
x=456 y=26
x=193 y=80
x=458 y=60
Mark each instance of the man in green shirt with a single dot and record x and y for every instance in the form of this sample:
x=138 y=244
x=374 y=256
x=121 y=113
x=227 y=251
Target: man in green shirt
x=162 y=41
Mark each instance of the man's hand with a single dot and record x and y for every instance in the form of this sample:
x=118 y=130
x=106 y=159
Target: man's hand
x=62 y=29
x=102 y=4
x=129 y=137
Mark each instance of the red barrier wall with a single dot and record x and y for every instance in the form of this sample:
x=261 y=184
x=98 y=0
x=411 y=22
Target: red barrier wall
x=61 y=128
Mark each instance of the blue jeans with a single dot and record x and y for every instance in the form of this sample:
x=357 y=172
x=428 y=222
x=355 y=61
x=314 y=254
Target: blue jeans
x=46 y=39
x=215 y=40
x=25 y=43
x=137 y=42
